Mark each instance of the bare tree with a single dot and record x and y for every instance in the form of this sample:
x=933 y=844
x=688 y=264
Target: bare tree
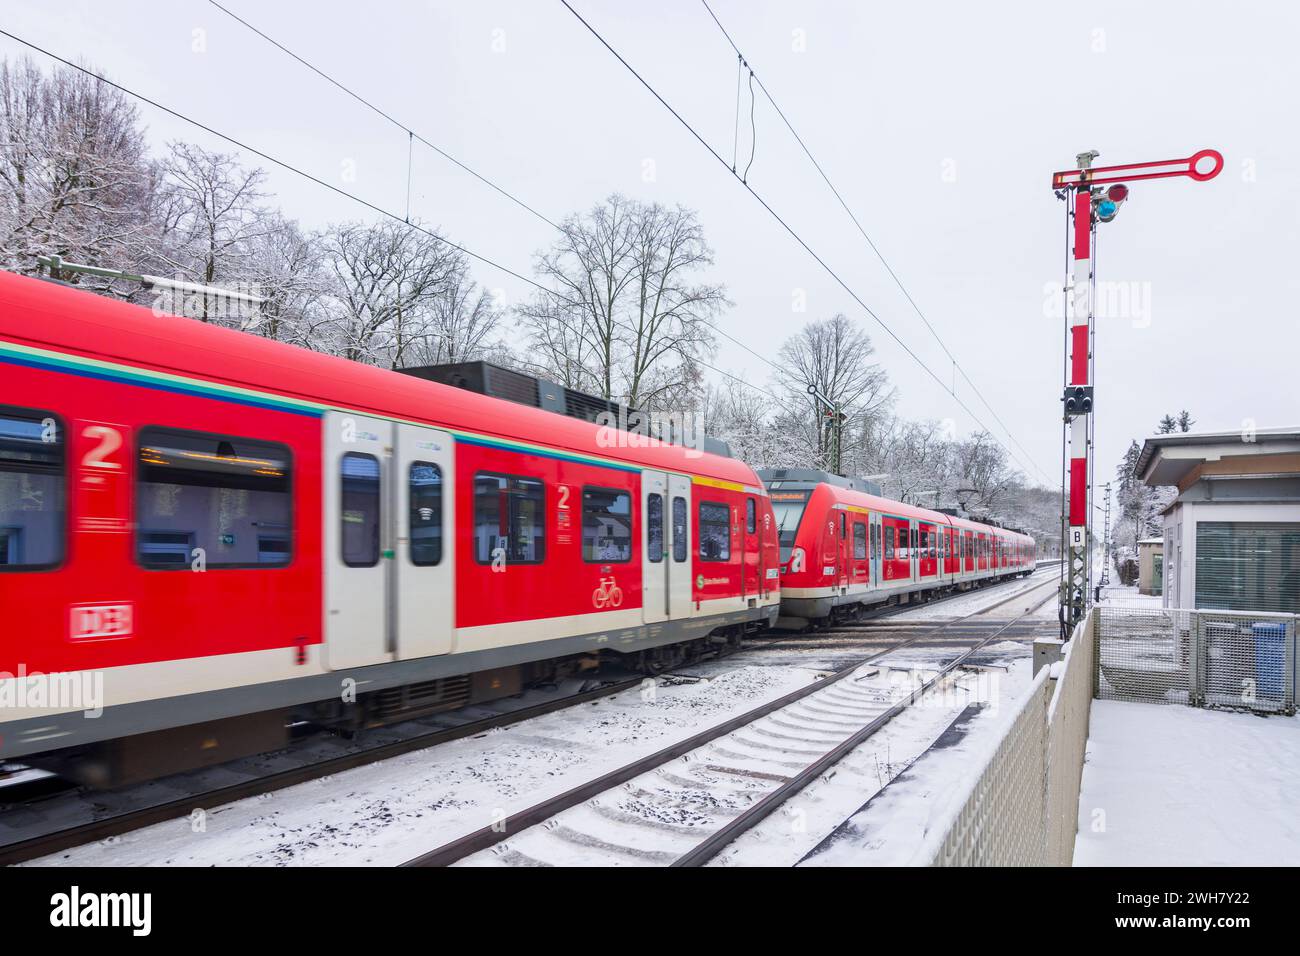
x=75 y=179
x=834 y=356
x=289 y=269
x=213 y=215
x=463 y=322
x=388 y=278
x=622 y=316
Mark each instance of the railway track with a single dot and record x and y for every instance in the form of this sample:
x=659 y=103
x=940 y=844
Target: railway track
x=731 y=776
x=38 y=818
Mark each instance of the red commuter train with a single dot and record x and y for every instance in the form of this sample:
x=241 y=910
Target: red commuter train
x=843 y=548
x=230 y=534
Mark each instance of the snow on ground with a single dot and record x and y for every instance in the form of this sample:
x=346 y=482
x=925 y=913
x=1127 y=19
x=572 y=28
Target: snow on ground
x=893 y=827
x=973 y=601
x=388 y=812
x=1181 y=786
x=806 y=828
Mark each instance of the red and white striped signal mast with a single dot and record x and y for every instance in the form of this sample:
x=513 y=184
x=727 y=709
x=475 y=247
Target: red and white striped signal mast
x=1095 y=194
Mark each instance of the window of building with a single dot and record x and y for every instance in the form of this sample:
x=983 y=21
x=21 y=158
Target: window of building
x=606 y=525
x=33 y=511
x=509 y=519
x=680 y=530
x=228 y=496
x=1248 y=566
x=715 y=531
x=425 y=518
x=859 y=541
x=654 y=524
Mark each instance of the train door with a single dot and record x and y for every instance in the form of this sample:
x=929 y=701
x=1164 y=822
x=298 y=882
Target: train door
x=915 y=551
x=875 y=536
x=423 y=517
x=845 y=556
x=358 y=502
x=751 y=551
x=678 y=526
x=655 y=564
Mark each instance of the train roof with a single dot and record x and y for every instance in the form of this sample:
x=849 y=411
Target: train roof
x=40 y=317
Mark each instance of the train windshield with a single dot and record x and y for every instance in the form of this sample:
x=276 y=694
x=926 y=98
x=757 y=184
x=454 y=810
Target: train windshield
x=787 y=507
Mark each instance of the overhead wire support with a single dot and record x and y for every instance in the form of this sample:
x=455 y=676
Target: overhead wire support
x=789 y=229
x=862 y=231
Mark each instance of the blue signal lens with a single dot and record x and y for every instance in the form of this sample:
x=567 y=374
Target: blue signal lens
x=1106 y=210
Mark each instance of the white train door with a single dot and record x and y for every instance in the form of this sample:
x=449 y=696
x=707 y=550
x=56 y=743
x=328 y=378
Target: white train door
x=423 y=595
x=656 y=558
x=874 y=534
x=358 y=504
x=679 y=547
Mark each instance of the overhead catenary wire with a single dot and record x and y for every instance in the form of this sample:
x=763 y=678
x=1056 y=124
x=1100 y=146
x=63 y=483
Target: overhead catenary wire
x=371 y=106
x=793 y=233
x=289 y=167
x=412 y=135
x=888 y=268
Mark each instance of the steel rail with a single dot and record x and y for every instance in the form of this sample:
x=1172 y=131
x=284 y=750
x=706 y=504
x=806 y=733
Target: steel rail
x=751 y=816
x=128 y=820
x=487 y=837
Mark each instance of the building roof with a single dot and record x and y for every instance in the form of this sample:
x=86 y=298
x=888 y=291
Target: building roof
x=1168 y=459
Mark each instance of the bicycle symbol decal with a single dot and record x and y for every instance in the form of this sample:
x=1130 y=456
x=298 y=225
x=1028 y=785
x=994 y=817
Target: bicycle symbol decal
x=609 y=594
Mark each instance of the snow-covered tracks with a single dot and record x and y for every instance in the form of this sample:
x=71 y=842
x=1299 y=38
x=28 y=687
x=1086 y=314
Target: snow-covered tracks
x=682 y=805
x=33 y=824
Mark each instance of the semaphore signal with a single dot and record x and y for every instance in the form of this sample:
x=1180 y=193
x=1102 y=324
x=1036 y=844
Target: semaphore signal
x=1083 y=188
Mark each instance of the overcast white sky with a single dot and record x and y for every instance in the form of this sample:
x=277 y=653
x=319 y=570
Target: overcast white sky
x=941 y=123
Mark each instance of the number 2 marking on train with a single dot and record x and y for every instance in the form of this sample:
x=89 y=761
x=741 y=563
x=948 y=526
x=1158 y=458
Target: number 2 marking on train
x=110 y=440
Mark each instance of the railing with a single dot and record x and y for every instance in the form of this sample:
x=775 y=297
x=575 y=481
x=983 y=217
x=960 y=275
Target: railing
x=1237 y=660
x=1022 y=808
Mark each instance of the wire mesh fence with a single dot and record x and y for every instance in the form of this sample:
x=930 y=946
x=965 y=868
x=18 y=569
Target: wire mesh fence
x=1022 y=808
x=1238 y=660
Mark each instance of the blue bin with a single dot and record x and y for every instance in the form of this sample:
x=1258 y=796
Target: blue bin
x=1270 y=660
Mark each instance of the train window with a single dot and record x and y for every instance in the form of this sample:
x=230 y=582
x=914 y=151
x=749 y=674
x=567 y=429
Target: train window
x=424 y=522
x=751 y=516
x=654 y=524
x=606 y=525
x=875 y=541
x=925 y=543
x=859 y=540
x=679 y=530
x=228 y=496
x=844 y=526
x=715 y=531
x=914 y=542
x=32 y=495
x=359 y=509
x=509 y=519
x=889 y=544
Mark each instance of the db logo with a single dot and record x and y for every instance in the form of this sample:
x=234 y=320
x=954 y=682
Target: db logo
x=101 y=621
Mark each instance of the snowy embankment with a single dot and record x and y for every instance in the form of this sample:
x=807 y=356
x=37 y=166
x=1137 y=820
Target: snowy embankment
x=1179 y=786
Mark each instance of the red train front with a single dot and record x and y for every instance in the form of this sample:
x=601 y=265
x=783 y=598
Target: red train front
x=844 y=547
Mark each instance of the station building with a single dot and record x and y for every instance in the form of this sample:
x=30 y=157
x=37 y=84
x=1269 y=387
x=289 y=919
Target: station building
x=1232 y=536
